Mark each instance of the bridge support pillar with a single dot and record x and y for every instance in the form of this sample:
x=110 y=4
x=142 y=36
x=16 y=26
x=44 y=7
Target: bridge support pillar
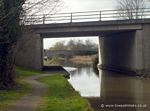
x=146 y=47
x=31 y=53
x=122 y=52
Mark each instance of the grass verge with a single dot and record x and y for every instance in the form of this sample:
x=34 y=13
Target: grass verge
x=61 y=96
x=8 y=97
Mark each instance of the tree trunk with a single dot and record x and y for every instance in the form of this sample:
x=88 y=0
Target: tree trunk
x=6 y=67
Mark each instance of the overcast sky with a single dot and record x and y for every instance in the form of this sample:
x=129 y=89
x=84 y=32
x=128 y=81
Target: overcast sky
x=81 y=5
x=85 y=5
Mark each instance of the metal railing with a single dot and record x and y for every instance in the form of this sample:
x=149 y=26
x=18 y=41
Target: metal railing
x=105 y=15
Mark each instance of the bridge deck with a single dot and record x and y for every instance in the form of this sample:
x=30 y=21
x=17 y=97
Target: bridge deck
x=88 y=28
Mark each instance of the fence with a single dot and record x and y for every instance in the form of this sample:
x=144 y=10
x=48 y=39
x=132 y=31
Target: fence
x=105 y=15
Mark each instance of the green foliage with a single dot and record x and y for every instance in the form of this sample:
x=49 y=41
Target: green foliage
x=61 y=96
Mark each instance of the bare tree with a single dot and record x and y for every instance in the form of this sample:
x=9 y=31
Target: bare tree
x=13 y=14
x=41 y=6
x=35 y=10
x=131 y=9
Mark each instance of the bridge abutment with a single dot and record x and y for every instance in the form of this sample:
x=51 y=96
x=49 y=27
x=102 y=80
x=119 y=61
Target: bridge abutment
x=30 y=54
x=146 y=47
x=122 y=52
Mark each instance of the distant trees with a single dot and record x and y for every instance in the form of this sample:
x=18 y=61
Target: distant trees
x=75 y=45
x=58 y=45
x=131 y=9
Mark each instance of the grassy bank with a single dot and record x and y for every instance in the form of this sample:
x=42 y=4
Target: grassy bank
x=61 y=96
x=8 y=97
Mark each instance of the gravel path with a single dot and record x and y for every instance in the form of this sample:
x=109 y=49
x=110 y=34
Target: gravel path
x=31 y=101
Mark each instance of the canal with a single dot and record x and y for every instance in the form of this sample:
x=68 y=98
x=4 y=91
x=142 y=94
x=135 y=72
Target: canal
x=111 y=90
x=85 y=81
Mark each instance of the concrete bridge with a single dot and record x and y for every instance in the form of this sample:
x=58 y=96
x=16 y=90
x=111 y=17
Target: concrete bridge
x=124 y=44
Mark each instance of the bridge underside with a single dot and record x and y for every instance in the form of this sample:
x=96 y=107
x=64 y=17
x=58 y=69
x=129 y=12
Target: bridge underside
x=122 y=52
x=123 y=46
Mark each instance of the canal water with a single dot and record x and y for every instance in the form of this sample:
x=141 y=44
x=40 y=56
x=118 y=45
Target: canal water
x=85 y=81
x=111 y=90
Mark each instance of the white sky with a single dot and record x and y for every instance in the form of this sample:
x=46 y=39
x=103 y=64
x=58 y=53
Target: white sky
x=85 y=5
x=77 y=6
x=50 y=42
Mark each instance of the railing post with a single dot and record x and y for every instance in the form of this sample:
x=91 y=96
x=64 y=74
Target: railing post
x=100 y=16
x=43 y=19
x=136 y=13
x=71 y=18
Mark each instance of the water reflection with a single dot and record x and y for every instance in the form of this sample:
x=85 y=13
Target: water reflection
x=121 y=89
x=85 y=81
